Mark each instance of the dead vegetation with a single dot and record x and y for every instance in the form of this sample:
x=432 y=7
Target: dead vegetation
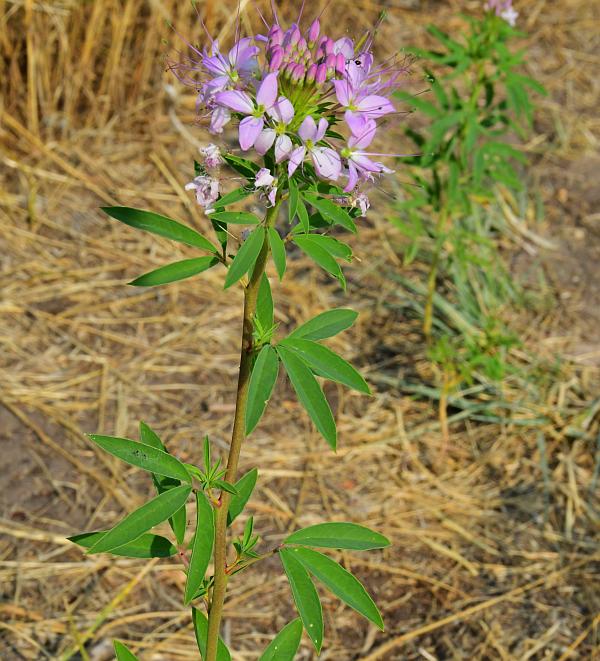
x=495 y=552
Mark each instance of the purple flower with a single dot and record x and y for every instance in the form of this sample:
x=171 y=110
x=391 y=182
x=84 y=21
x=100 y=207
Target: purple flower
x=240 y=63
x=238 y=101
x=207 y=191
x=504 y=9
x=282 y=113
x=359 y=103
x=264 y=179
x=212 y=156
x=360 y=166
x=218 y=118
x=361 y=201
x=327 y=162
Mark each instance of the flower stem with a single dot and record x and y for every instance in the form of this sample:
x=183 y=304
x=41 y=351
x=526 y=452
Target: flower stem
x=238 y=435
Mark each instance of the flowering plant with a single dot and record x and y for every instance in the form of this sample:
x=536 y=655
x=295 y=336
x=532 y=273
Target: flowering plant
x=307 y=106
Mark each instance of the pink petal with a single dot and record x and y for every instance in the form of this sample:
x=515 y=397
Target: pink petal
x=283 y=148
x=321 y=128
x=327 y=163
x=264 y=141
x=308 y=129
x=267 y=92
x=296 y=158
x=343 y=92
x=236 y=100
x=250 y=128
x=219 y=117
x=364 y=162
x=282 y=111
x=352 y=178
x=365 y=132
x=345 y=45
x=375 y=106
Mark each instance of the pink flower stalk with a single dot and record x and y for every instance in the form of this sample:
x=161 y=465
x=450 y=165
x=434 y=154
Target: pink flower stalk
x=207 y=191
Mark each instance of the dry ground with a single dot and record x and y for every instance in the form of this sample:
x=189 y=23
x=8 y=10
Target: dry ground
x=495 y=549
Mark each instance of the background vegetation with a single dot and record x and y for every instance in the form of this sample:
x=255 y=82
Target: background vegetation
x=490 y=477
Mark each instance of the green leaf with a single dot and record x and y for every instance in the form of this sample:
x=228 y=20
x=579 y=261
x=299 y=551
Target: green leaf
x=303 y=216
x=331 y=211
x=285 y=644
x=235 y=217
x=333 y=246
x=244 y=486
x=309 y=393
x=186 y=268
x=201 y=631
x=178 y=521
x=340 y=582
x=245 y=167
x=293 y=199
x=161 y=225
x=320 y=255
x=246 y=256
x=235 y=196
x=225 y=486
x=264 y=304
x=123 y=654
x=146 y=546
x=143 y=519
x=143 y=456
x=201 y=548
x=324 y=325
x=324 y=362
x=338 y=536
x=305 y=597
x=221 y=233
x=262 y=381
x=278 y=251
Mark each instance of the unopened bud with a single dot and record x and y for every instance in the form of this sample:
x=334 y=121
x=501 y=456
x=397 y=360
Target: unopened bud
x=340 y=63
x=298 y=73
x=311 y=73
x=321 y=75
x=275 y=57
x=313 y=31
x=330 y=61
x=328 y=46
x=275 y=36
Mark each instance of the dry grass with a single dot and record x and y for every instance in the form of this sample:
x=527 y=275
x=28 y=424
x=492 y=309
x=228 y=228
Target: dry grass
x=494 y=538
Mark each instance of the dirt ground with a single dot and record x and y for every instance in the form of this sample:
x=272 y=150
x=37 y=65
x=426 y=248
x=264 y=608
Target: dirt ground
x=494 y=538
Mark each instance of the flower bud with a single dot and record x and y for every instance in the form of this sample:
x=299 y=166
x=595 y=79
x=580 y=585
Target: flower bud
x=321 y=75
x=328 y=46
x=313 y=31
x=311 y=73
x=340 y=63
x=302 y=45
x=275 y=57
x=275 y=36
x=330 y=61
x=298 y=73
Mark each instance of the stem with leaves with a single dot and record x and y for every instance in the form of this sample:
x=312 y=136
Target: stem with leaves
x=237 y=438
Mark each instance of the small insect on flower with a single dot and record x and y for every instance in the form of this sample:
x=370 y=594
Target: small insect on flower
x=298 y=94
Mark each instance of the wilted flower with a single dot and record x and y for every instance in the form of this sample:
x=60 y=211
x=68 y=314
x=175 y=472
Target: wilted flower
x=212 y=156
x=265 y=180
x=207 y=191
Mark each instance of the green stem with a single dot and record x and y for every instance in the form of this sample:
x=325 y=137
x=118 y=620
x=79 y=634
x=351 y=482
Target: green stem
x=238 y=435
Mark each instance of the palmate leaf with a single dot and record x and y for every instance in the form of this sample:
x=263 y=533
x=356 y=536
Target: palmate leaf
x=201 y=630
x=161 y=225
x=338 y=535
x=246 y=256
x=186 y=268
x=285 y=644
x=331 y=211
x=244 y=487
x=262 y=381
x=146 y=546
x=324 y=325
x=123 y=653
x=178 y=521
x=312 y=246
x=305 y=597
x=309 y=393
x=340 y=582
x=201 y=548
x=324 y=362
x=150 y=514
x=277 y=251
x=235 y=217
x=143 y=456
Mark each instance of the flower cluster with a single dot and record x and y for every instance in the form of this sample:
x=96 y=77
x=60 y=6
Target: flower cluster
x=504 y=9
x=301 y=98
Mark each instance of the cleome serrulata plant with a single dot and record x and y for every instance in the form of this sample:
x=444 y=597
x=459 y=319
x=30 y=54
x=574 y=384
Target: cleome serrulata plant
x=306 y=107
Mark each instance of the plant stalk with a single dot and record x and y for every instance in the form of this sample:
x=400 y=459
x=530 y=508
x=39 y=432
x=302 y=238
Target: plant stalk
x=439 y=242
x=238 y=435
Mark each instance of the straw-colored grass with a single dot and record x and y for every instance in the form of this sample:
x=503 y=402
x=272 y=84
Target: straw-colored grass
x=495 y=549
